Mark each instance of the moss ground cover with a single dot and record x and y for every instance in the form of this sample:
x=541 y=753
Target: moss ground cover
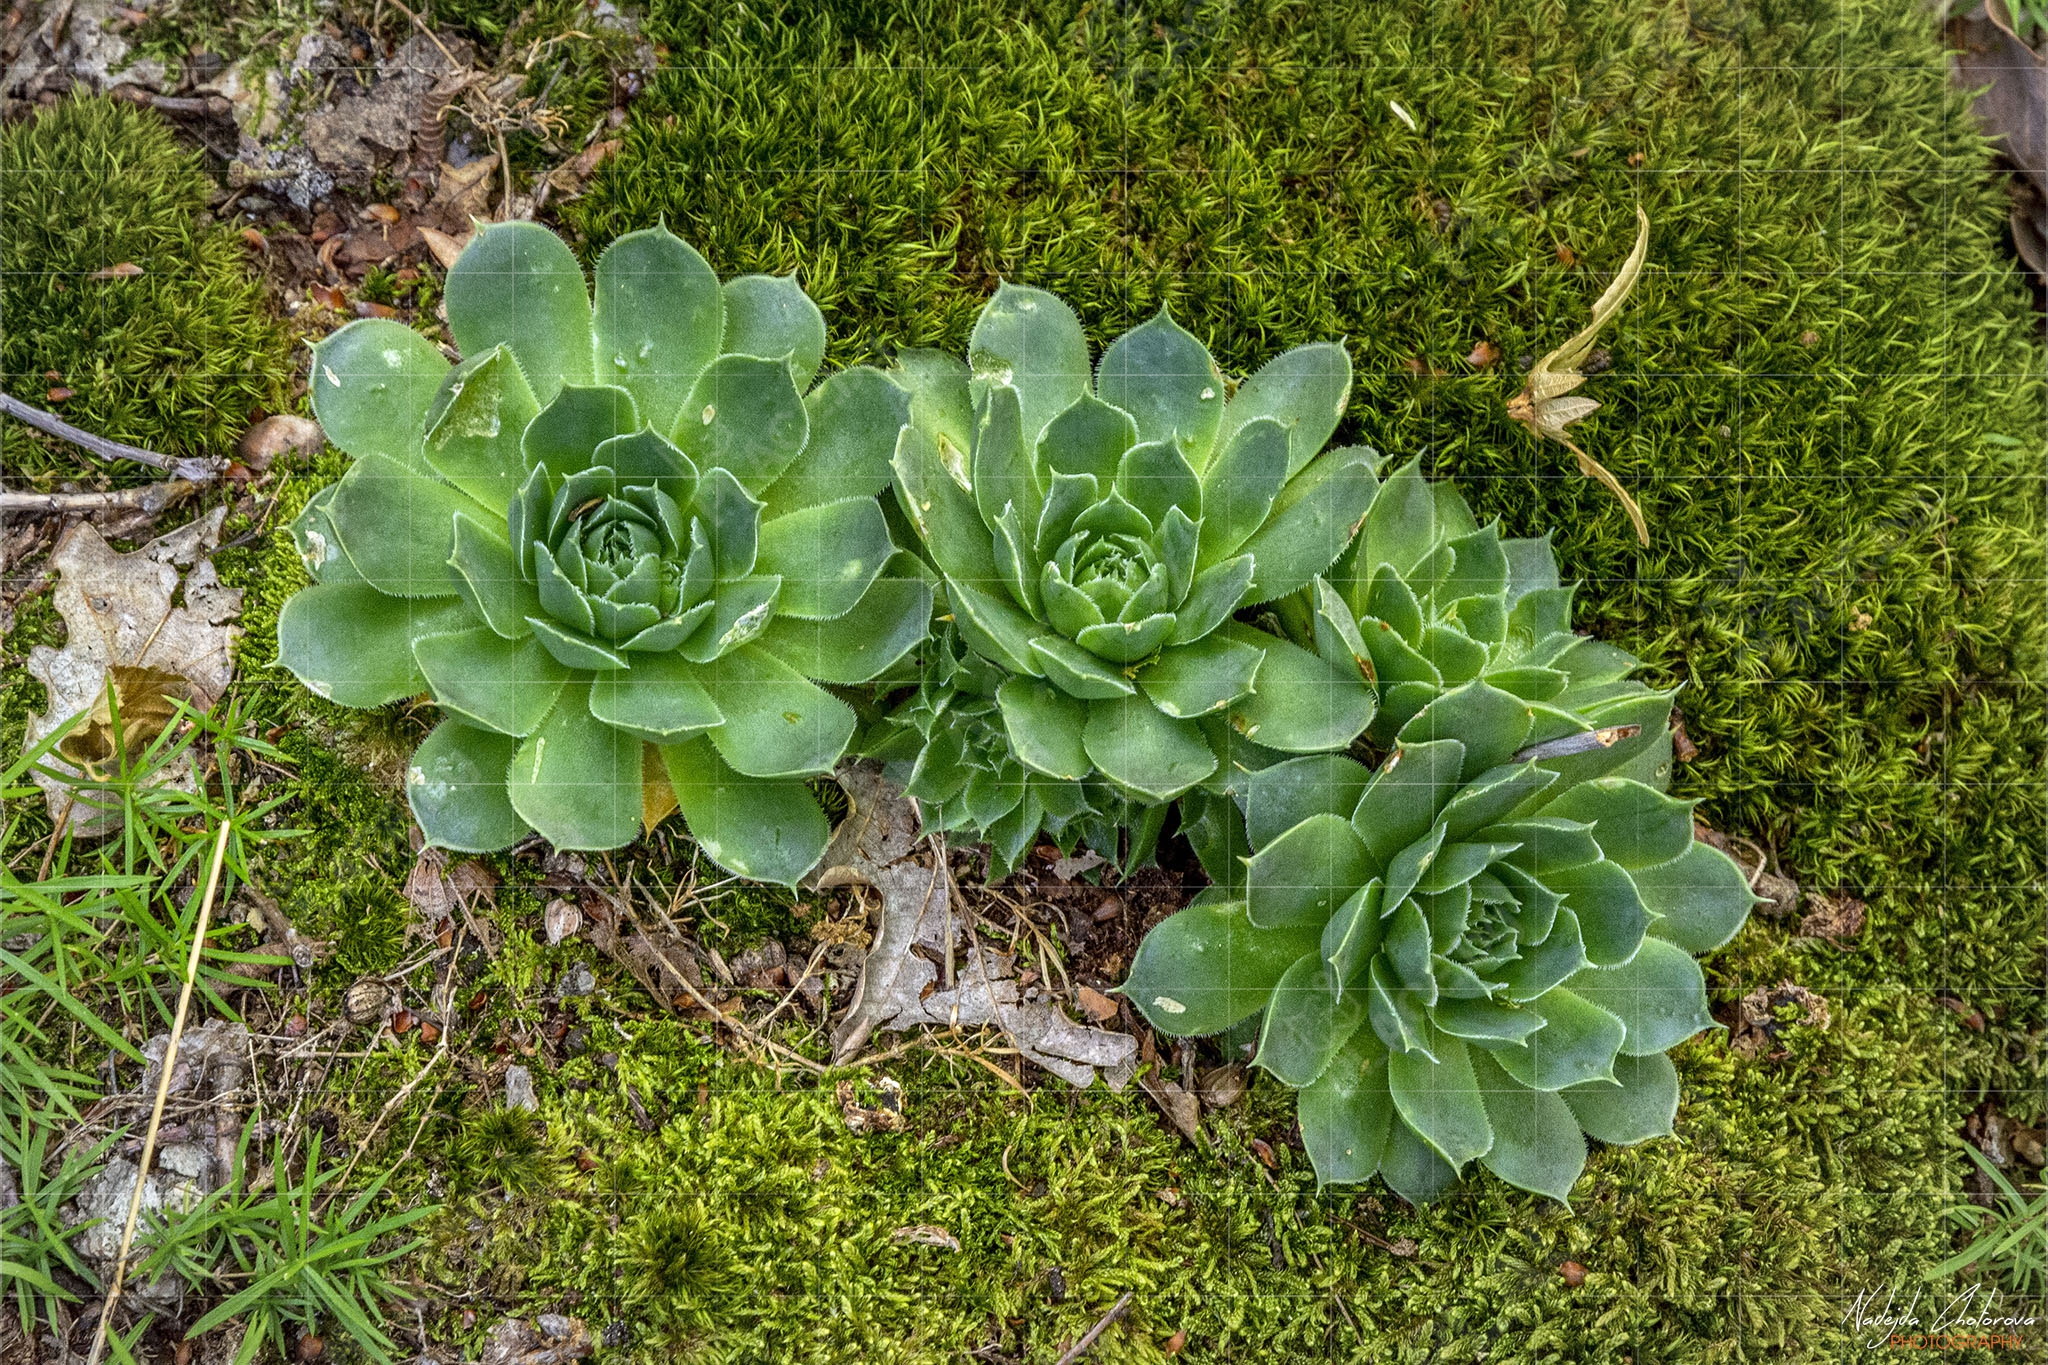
x=1827 y=396
x=123 y=307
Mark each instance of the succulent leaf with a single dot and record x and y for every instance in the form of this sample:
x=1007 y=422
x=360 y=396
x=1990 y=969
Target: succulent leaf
x=657 y=320
x=372 y=384
x=772 y=317
x=398 y=527
x=518 y=285
x=352 y=644
x=456 y=785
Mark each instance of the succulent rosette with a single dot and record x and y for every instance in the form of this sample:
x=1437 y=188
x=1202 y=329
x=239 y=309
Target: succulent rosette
x=617 y=544
x=1096 y=529
x=1423 y=601
x=1481 y=948
x=947 y=746
x=1426 y=600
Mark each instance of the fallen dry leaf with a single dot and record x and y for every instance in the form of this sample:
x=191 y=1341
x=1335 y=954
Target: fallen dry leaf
x=566 y=181
x=900 y=989
x=145 y=701
x=550 y=1339
x=119 y=612
x=1542 y=405
x=1221 y=1086
x=1989 y=56
x=446 y=249
x=1833 y=918
x=563 y=919
x=1180 y=1107
x=925 y=1235
x=461 y=194
x=1096 y=1005
x=1757 y=1025
x=1483 y=356
x=883 y=1116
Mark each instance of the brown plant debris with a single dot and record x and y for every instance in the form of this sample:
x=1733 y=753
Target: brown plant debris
x=1832 y=917
x=901 y=985
x=1757 y=1024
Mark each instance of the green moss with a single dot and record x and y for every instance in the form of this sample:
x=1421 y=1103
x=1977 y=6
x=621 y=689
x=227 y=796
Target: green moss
x=362 y=918
x=1826 y=394
x=1844 y=576
x=177 y=358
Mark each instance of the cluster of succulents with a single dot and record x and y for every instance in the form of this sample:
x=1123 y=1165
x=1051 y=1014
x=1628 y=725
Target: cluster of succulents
x=640 y=562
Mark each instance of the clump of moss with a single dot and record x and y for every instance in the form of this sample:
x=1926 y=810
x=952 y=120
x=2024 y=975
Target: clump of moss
x=677 y=1267
x=177 y=357
x=504 y=1149
x=362 y=917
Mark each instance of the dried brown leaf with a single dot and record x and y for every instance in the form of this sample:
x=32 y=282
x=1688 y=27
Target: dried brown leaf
x=120 y=612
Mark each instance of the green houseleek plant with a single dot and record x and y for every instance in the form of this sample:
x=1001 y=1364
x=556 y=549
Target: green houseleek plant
x=1478 y=944
x=1095 y=530
x=617 y=544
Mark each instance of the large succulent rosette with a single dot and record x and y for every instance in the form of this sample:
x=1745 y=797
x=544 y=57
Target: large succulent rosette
x=617 y=545
x=1096 y=529
x=1477 y=944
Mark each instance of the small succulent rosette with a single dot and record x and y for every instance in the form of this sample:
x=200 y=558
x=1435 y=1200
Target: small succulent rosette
x=947 y=747
x=1480 y=951
x=618 y=545
x=1096 y=529
x=1426 y=599
x=1423 y=601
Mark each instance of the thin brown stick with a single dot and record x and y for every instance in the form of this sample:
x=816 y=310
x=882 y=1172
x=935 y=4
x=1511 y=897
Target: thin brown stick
x=1089 y=1338
x=150 y=497
x=163 y=1090
x=198 y=471
x=736 y=1025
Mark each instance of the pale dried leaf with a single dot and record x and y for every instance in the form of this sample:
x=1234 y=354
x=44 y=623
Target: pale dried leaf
x=279 y=435
x=925 y=1235
x=445 y=248
x=896 y=987
x=120 y=612
x=564 y=918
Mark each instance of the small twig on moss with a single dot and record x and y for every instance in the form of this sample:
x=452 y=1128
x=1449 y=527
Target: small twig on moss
x=718 y=1015
x=198 y=471
x=150 y=497
x=213 y=106
x=1089 y=1338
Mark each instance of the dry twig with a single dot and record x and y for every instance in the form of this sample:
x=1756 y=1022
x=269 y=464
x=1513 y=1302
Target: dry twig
x=163 y=1090
x=1089 y=1338
x=198 y=471
x=150 y=497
